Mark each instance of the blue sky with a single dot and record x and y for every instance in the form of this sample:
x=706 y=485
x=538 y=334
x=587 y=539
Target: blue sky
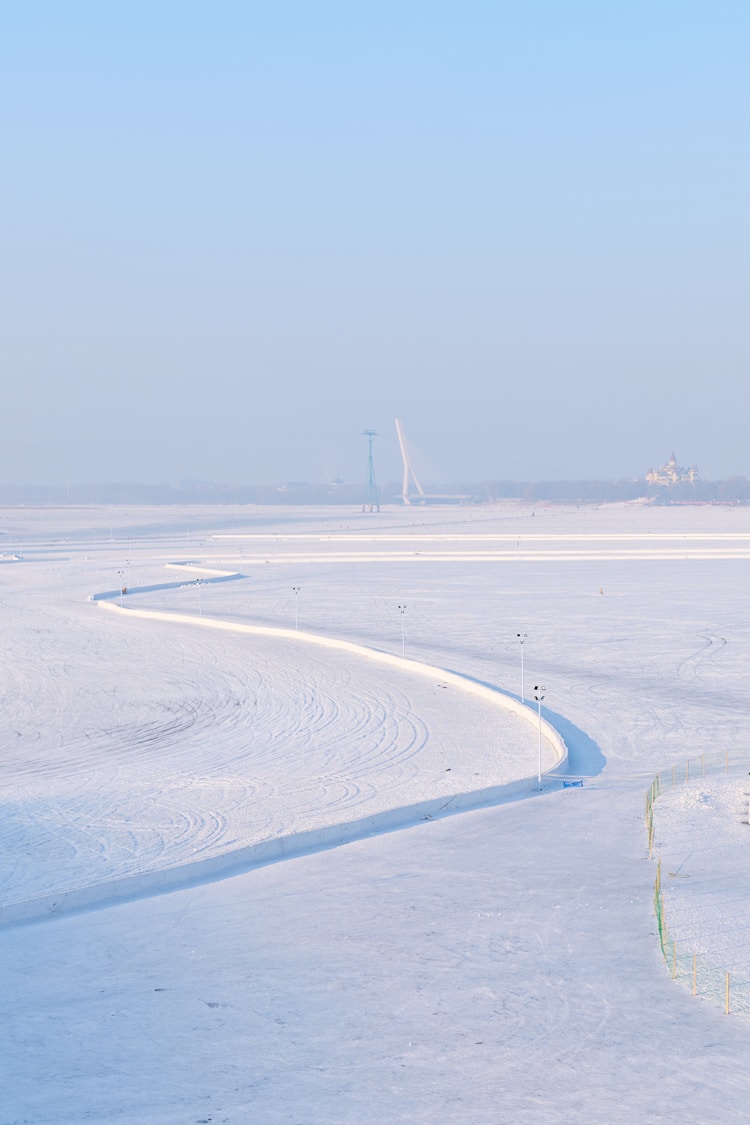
x=237 y=234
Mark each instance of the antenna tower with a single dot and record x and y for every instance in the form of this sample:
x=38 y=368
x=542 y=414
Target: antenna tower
x=371 y=501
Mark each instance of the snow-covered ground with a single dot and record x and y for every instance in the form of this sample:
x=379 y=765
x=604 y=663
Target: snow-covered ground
x=500 y=964
x=700 y=841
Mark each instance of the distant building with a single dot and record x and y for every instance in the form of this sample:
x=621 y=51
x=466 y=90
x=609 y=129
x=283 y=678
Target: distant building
x=672 y=473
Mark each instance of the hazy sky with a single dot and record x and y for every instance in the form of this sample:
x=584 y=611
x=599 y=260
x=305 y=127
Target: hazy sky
x=236 y=233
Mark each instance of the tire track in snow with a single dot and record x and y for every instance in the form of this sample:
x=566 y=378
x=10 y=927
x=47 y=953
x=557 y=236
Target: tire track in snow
x=692 y=666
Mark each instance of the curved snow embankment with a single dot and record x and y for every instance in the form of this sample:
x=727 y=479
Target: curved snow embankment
x=298 y=843
x=471 y=687
x=215 y=577
x=240 y=860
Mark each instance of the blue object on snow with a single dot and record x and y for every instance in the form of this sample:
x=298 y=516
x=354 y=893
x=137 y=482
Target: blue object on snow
x=572 y=784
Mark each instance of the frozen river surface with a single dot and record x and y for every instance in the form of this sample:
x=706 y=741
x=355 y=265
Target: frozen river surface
x=498 y=965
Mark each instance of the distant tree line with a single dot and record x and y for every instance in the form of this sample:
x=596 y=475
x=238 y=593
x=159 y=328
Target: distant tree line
x=589 y=491
x=734 y=489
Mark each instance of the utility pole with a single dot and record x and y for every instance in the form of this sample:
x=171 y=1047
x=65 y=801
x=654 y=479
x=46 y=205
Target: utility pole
x=521 y=638
x=539 y=690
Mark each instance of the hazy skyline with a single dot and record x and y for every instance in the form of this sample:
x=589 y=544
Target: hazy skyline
x=236 y=235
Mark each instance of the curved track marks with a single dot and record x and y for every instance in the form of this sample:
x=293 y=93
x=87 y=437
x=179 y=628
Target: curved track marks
x=145 y=745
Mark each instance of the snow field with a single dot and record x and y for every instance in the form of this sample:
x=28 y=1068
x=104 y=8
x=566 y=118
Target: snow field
x=230 y=741
x=700 y=834
x=500 y=965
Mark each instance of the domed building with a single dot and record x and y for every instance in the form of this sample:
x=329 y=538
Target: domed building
x=672 y=473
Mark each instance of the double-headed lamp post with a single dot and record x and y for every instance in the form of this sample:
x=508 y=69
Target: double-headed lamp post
x=521 y=638
x=199 y=584
x=295 y=591
x=402 y=611
x=539 y=691
x=121 y=576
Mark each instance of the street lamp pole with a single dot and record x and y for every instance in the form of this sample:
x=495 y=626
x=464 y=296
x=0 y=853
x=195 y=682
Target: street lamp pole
x=121 y=576
x=199 y=584
x=295 y=591
x=402 y=610
x=539 y=691
x=521 y=638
